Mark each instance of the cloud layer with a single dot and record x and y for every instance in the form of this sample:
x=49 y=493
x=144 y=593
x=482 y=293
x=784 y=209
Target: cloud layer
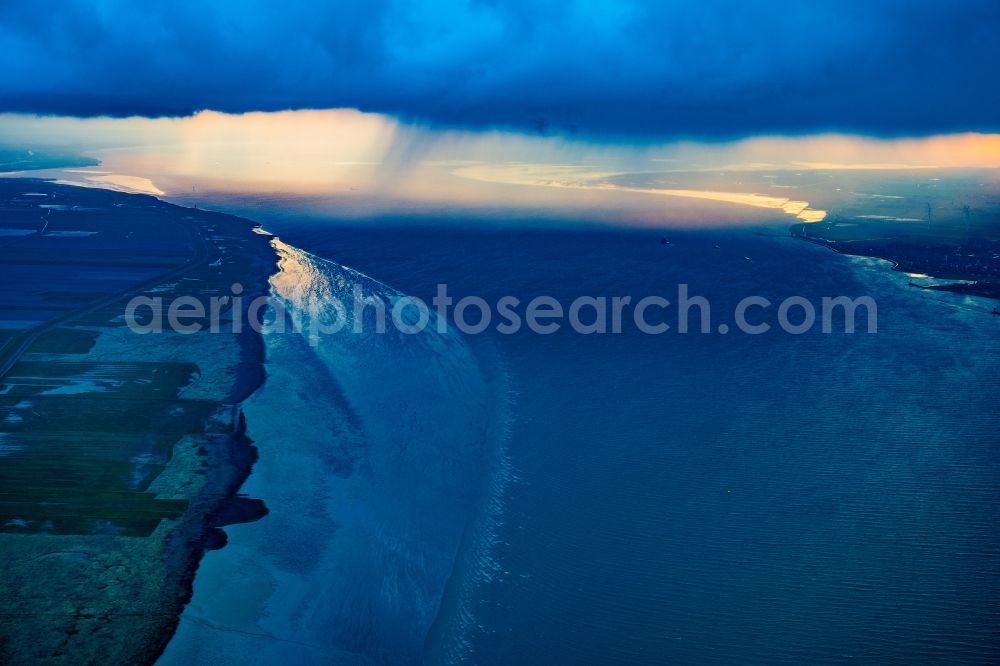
x=609 y=68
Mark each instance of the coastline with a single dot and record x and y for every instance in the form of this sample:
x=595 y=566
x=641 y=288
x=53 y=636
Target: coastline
x=114 y=591
x=368 y=513
x=223 y=504
x=968 y=264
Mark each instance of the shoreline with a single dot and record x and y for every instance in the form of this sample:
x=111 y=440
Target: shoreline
x=968 y=278
x=357 y=501
x=226 y=506
x=232 y=508
x=202 y=455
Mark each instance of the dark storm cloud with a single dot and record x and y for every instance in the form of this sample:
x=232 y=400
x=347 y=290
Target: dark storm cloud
x=641 y=68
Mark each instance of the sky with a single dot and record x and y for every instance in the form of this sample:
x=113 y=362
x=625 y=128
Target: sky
x=354 y=165
x=609 y=69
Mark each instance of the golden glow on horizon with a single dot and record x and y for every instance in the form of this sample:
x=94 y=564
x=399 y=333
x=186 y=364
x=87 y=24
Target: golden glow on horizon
x=840 y=151
x=349 y=154
x=310 y=151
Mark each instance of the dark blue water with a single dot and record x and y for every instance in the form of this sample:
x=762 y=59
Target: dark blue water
x=713 y=499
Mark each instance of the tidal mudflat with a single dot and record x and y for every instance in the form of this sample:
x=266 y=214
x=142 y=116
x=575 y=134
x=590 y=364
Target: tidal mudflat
x=120 y=454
